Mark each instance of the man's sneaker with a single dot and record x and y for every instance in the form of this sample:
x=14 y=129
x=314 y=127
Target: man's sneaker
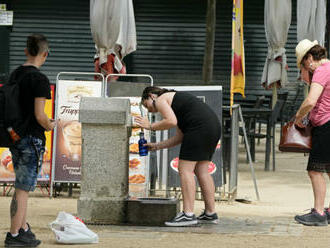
x=313 y=218
x=21 y=240
x=327 y=211
x=208 y=219
x=28 y=232
x=182 y=220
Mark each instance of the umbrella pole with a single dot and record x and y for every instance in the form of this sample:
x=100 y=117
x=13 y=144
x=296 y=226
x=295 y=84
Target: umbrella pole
x=274 y=96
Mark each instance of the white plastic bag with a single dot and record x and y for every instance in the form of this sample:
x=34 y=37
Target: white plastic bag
x=69 y=229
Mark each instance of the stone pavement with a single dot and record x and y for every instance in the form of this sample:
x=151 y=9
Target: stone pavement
x=227 y=225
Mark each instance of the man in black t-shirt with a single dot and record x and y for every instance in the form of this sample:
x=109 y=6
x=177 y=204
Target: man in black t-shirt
x=27 y=153
x=32 y=84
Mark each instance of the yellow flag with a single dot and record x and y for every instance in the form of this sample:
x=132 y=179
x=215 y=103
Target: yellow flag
x=237 y=81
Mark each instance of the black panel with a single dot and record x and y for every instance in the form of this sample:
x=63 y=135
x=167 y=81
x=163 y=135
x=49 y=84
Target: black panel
x=4 y=53
x=66 y=25
x=171 y=36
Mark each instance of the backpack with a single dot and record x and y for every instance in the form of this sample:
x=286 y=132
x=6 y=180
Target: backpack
x=5 y=140
x=10 y=113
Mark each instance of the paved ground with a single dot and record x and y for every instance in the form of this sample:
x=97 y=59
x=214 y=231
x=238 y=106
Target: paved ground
x=233 y=225
x=265 y=223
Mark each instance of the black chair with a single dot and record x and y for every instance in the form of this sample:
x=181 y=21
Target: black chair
x=277 y=110
x=250 y=124
x=281 y=118
x=293 y=105
x=283 y=96
x=252 y=134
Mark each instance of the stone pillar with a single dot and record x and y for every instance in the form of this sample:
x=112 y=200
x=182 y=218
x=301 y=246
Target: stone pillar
x=106 y=129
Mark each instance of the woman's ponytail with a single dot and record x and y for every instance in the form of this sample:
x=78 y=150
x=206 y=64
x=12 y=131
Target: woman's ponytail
x=154 y=90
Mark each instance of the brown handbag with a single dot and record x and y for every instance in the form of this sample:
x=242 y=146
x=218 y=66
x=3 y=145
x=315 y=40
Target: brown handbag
x=296 y=139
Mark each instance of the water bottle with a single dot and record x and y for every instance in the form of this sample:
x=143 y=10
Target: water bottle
x=143 y=150
x=13 y=135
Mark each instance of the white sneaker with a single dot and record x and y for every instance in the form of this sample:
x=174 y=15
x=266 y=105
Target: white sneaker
x=182 y=220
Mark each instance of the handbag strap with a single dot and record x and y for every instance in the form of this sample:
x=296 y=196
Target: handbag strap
x=305 y=120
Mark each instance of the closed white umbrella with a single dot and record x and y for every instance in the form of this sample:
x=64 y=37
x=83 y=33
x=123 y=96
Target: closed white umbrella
x=311 y=20
x=277 y=22
x=113 y=29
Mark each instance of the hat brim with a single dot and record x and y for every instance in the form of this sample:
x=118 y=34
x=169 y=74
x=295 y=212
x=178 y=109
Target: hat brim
x=304 y=51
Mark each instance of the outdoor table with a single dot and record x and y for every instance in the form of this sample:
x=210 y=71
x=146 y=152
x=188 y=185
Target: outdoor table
x=254 y=113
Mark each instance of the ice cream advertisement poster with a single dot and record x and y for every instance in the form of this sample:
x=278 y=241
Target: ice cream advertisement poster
x=138 y=167
x=67 y=148
x=7 y=173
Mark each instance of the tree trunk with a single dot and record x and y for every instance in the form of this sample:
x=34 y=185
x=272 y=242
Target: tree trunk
x=209 y=41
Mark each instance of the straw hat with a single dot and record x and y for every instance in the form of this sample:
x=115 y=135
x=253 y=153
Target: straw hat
x=302 y=48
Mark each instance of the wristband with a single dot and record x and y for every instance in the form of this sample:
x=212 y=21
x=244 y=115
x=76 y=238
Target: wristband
x=150 y=127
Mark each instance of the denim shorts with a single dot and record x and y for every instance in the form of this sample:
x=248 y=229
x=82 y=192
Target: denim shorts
x=27 y=156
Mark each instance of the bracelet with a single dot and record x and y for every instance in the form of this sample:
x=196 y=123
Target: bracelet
x=150 y=127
